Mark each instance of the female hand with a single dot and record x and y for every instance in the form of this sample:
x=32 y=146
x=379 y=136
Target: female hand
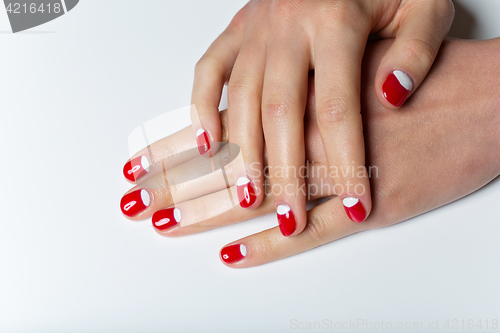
x=441 y=147
x=265 y=54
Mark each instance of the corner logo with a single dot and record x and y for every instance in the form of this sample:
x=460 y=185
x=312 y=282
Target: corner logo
x=28 y=14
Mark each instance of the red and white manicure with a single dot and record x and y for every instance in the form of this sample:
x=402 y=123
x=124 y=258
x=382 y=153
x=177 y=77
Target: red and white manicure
x=202 y=141
x=233 y=253
x=166 y=218
x=136 y=168
x=246 y=192
x=286 y=220
x=397 y=87
x=135 y=202
x=354 y=209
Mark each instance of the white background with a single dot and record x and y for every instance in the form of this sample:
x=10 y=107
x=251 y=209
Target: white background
x=73 y=89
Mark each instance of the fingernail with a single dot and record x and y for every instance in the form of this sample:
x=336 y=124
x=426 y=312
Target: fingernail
x=246 y=192
x=166 y=218
x=135 y=202
x=397 y=87
x=233 y=253
x=354 y=209
x=136 y=168
x=202 y=141
x=286 y=220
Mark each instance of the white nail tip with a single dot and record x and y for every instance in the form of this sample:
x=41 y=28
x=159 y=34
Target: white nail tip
x=350 y=202
x=177 y=215
x=282 y=209
x=145 y=197
x=200 y=131
x=162 y=222
x=242 y=181
x=243 y=250
x=145 y=163
x=404 y=80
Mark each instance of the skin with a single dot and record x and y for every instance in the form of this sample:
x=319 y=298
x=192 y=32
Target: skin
x=441 y=146
x=265 y=55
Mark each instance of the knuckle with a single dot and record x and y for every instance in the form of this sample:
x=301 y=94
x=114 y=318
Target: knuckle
x=284 y=181
x=421 y=50
x=332 y=111
x=318 y=228
x=238 y=20
x=266 y=249
x=240 y=89
x=207 y=65
x=343 y=13
x=285 y=8
x=275 y=111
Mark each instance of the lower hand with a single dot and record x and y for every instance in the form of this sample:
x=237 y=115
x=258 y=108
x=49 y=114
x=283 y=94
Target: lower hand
x=439 y=148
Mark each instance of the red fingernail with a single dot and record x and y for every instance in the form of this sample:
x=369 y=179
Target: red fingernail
x=135 y=202
x=397 y=87
x=233 y=253
x=166 y=219
x=136 y=168
x=246 y=193
x=354 y=209
x=286 y=220
x=202 y=141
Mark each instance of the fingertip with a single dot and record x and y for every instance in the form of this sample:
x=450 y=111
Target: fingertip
x=286 y=220
x=203 y=143
x=136 y=168
x=232 y=254
x=396 y=88
x=166 y=219
x=290 y=224
x=135 y=202
x=356 y=199
x=354 y=209
x=249 y=195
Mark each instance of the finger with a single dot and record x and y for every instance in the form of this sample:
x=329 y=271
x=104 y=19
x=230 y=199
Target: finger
x=245 y=126
x=337 y=84
x=326 y=223
x=211 y=71
x=283 y=105
x=422 y=27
